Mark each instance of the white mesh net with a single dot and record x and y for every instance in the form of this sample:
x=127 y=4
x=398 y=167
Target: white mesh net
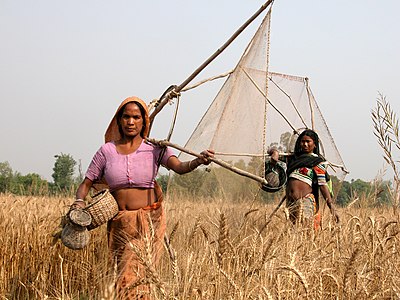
x=251 y=112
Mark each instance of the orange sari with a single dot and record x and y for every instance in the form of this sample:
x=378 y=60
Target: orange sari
x=133 y=237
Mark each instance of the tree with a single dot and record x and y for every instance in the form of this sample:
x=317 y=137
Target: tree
x=6 y=175
x=63 y=171
x=285 y=141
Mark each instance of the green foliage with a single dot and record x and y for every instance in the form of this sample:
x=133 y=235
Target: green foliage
x=30 y=184
x=162 y=180
x=34 y=184
x=6 y=176
x=198 y=183
x=15 y=183
x=63 y=171
x=377 y=193
x=218 y=182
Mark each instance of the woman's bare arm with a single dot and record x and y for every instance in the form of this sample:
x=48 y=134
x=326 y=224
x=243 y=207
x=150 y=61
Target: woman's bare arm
x=327 y=196
x=187 y=166
x=81 y=193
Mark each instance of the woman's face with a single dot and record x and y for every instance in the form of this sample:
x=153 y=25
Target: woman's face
x=131 y=121
x=307 y=144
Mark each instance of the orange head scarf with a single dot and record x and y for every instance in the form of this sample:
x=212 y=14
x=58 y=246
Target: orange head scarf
x=113 y=134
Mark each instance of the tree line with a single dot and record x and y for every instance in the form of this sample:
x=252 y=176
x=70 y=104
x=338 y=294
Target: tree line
x=64 y=182
x=200 y=183
x=221 y=183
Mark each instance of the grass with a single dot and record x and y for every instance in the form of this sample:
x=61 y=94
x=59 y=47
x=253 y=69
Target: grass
x=216 y=250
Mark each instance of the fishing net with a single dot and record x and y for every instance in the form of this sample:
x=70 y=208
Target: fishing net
x=254 y=110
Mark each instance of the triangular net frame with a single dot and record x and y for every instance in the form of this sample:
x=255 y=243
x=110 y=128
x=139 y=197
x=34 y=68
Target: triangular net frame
x=252 y=112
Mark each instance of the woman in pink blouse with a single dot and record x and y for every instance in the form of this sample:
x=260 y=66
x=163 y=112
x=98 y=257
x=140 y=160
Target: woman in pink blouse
x=129 y=165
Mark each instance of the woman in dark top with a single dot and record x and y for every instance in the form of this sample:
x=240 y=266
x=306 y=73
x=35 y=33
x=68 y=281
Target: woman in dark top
x=307 y=175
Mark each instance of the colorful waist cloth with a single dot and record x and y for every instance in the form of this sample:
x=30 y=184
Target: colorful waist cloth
x=131 y=234
x=304 y=210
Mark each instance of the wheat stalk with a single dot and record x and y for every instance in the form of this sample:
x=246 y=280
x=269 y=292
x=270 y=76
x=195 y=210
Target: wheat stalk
x=194 y=231
x=300 y=275
x=349 y=269
x=173 y=232
x=230 y=280
x=267 y=293
x=27 y=254
x=386 y=130
x=222 y=239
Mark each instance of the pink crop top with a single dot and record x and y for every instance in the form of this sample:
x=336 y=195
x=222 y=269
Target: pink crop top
x=137 y=169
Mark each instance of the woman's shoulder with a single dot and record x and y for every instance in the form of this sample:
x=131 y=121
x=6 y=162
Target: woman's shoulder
x=108 y=147
x=150 y=146
x=157 y=150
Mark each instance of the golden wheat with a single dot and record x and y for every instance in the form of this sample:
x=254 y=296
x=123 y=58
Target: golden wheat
x=216 y=252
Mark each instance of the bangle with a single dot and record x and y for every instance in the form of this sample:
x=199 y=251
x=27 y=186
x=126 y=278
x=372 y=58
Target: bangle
x=190 y=166
x=79 y=200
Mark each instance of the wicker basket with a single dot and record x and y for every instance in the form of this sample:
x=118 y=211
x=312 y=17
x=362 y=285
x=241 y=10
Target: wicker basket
x=80 y=217
x=74 y=236
x=102 y=208
x=275 y=174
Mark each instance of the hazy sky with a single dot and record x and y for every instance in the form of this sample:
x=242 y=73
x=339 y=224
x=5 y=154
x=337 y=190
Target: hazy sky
x=66 y=65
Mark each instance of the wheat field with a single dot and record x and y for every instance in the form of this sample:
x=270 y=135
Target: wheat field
x=217 y=250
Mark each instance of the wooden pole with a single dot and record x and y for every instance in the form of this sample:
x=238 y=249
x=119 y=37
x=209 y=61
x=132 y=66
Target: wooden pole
x=213 y=159
x=169 y=95
x=272 y=214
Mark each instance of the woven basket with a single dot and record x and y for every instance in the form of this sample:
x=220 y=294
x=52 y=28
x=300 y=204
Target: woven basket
x=102 y=208
x=74 y=236
x=80 y=217
x=275 y=175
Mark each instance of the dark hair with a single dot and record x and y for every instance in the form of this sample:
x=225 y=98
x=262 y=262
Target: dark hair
x=121 y=111
x=312 y=134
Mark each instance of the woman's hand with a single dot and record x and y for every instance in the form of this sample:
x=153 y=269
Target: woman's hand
x=78 y=203
x=335 y=214
x=274 y=155
x=206 y=154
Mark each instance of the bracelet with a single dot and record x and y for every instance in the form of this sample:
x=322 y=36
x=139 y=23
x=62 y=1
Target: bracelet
x=190 y=165
x=79 y=200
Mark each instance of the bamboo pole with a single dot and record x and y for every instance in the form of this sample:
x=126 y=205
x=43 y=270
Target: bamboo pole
x=169 y=95
x=272 y=214
x=213 y=159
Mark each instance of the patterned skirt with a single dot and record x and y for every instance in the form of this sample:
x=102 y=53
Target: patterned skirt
x=304 y=211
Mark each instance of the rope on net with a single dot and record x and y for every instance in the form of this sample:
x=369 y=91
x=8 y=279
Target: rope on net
x=311 y=107
x=153 y=103
x=269 y=101
x=290 y=98
x=264 y=142
x=206 y=80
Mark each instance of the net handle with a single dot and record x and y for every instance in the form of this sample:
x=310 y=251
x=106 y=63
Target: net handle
x=219 y=162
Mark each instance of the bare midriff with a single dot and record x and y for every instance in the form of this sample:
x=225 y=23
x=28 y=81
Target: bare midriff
x=297 y=189
x=134 y=198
